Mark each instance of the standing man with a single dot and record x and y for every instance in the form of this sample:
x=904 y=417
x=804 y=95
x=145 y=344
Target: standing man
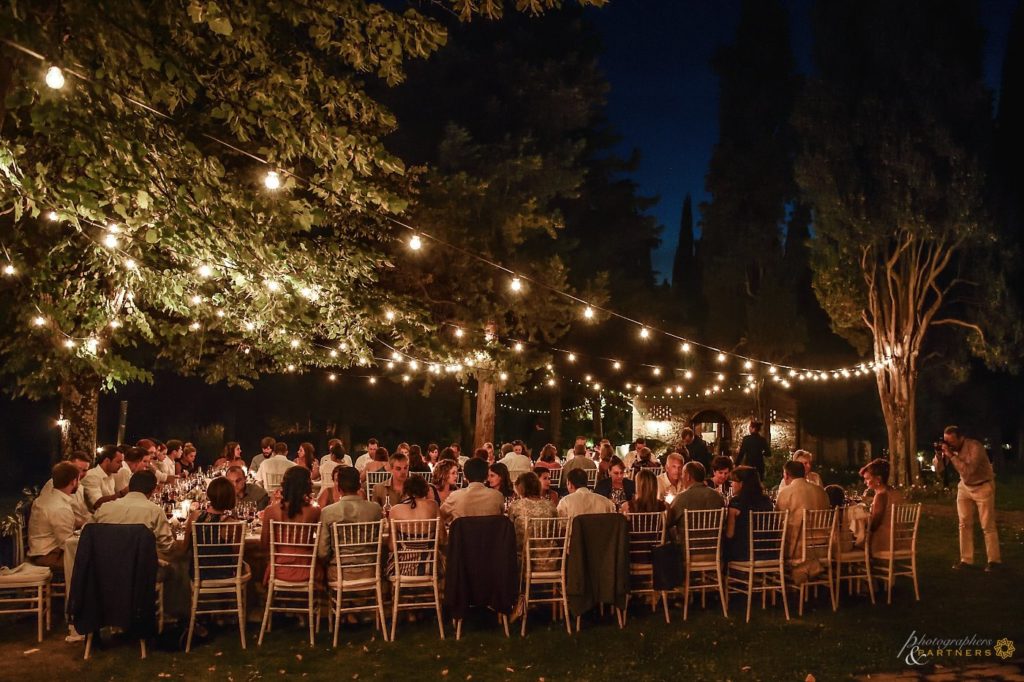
x=976 y=493
x=754 y=448
x=697 y=448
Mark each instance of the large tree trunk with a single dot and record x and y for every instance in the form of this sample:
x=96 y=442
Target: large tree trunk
x=485 y=395
x=556 y=418
x=79 y=406
x=897 y=391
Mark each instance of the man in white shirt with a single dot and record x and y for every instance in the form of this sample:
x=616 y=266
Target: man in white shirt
x=334 y=458
x=275 y=466
x=135 y=459
x=517 y=461
x=371 y=451
x=136 y=507
x=82 y=463
x=797 y=495
x=53 y=518
x=99 y=482
x=581 y=500
x=805 y=458
x=632 y=454
x=475 y=499
x=163 y=466
x=266 y=451
x=671 y=481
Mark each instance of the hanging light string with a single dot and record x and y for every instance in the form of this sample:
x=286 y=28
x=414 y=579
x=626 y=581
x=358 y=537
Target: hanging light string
x=417 y=234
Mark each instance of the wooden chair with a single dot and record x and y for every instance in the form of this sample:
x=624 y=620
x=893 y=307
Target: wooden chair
x=425 y=475
x=356 y=572
x=592 y=477
x=27 y=594
x=292 y=548
x=219 y=575
x=702 y=556
x=817 y=542
x=646 y=531
x=901 y=557
x=556 y=478
x=657 y=471
x=272 y=482
x=414 y=555
x=544 y=552
x=765 y=570
x=373 y=478
x=852 y=563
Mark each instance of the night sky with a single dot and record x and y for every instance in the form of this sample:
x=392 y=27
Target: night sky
x=664 y=96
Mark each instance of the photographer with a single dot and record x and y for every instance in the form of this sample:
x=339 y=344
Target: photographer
x=977 y=491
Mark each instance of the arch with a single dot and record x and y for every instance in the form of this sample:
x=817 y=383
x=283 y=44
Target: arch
x=716 y=422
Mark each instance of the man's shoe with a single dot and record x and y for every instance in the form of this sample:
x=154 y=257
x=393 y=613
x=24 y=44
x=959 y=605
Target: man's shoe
x=992 y=566
x=961 y=565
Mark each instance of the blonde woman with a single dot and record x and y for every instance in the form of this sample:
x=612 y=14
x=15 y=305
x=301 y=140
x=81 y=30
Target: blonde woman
x=646 y=497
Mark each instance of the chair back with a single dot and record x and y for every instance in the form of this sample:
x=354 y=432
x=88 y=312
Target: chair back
x=425 y=475
x=272 y=482
x=414 y=547
x=817 y=536
x=292 y=549
x=373 y=478
x=544 y=546
x=591 y=477
x=217 y=550
x=646 y=531
x=702 y=535
x=357 y=549
x=657 y=471
x=904 y=520
x=768 y=535
x=460 y=481
x=556 y=478
x=845 y=536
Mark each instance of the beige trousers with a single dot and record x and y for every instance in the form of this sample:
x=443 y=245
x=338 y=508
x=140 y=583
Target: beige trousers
x=980 y=498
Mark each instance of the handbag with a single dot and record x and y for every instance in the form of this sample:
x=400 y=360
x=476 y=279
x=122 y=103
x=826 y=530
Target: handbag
x=667 y=563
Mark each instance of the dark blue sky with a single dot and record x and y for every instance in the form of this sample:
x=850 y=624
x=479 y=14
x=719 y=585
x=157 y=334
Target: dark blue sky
x=664 y=96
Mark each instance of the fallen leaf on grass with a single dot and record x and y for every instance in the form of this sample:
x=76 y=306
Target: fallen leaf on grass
x=298 y=657
x=444 y=672
x=810 y=678
x=745 y=668
x=163 y=675
x=507 y=669
x=30 y=651
x=219 y=653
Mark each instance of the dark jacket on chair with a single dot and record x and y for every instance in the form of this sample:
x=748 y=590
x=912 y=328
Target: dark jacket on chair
x=481 y=565
x=114 y=579
x=597 y=566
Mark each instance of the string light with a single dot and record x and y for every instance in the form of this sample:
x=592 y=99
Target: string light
x=333 y=353
x=588 y=378
x=413 y=365
x=194 y=326
x=52 y=216
x=685 y=347
x=205 y=271
x=332 y=377
x=551 y=382
x=272 y=285
x=415 y=243
x=572 y=357
x=291 y=367
x=617 y=365
x=748 y=365
x=459 y=333
x=110 y=241
x=516 y=284
x=503 y=376
x=115 y=324
x=720 y=377
x=645 y=332
x=588 y=313
x=389 y=315
x=272 y=180
x=518 y=347
x=54 y=78
x=131 y=264
x=773 y=369
x=656 y=371
x=10 y=270
x=688 y=374
x=69 y=343
x=220 y=313
x=39 y=320
x=721 y=357
x=294 y=343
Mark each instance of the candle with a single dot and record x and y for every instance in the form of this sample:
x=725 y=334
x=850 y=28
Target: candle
x=669 y=498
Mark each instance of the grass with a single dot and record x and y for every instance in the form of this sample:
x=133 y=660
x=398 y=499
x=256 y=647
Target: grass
x=859 y=639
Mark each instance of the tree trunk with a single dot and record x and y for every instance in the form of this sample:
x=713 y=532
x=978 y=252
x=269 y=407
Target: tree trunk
x=466 y=437
x=485 y=394
x=595 y=410
x=79 y=406
x=556 y=418
x=897 y=391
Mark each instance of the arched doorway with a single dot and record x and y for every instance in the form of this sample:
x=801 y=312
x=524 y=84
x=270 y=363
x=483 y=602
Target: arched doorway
x=714 y=428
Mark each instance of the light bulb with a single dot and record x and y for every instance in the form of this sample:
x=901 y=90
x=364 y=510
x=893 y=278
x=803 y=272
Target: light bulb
x=657 y=371
x=131 y=264
x=197 y=299
x=273 y=285
x=113 y=228
x=220 y=313
x=639 y=388
x=307 y=293
x=205 y=271
x=720 y=377
x=69 y=343
x=516 y=284
x=773 y=369
x=291 y=367
x=294 y=343
x=551 y=382
x=721 y=357
x=249 y=326
x=685 y=347
x=92 y=345
x=194 y=326
x=246 y=350
x=9 y=270
x=748 y=364
x=617 y=365
x=588 y=378
x=272 y=180
x=52 y=216
x=518 y=347
x=572 y=357
x=414 y=365
x=597 y=387
x=390 y=365
x=688 y=374
x=110 y=241
x=332 y=377
x=342 y=346
x=644 y=333
x=588 y=313
x=55 y=78
x=503 y=376
x=39 y=320
x=115 y=324
x=389 y=315
x=333 y=353
x=373 y=380
x=629 y=386
x=415 y=243
x=406 y=378
x=459 y=333
x=395 y=355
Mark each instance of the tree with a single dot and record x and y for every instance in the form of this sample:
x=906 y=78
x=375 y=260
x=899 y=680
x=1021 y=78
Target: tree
x=895 y=133
x=206 y=270
x=685 y=274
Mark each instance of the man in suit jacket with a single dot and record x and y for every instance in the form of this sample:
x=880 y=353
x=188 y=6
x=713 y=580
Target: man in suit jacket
x=797 y=495
x=476 y=499
x=350 y=508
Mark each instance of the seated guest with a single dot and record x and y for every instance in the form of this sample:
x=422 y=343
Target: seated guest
x=644 y=460
x=695 y=496
x=220 y=496
x=806 y=459
x=517 y=462
x=449 y=455
x=796 y=495
x=632 y=455
x=548 y=458
x=670 y=482
x=544 y=474
x=876 y=477
x=305 y=457
x=136 y=507
x=748 y=496
x=646 y=497
x=530 y=505
x=162 y=464
x=446 y=478
x=605 y=453
x=276 y=466
x=499 y=479
x=135 y=459
x=616 y=487
x=369 y=456
x=392 y=491
x=231 y=454
x=721 y=475
x=475 y=499
x=266 y=452
x=246 y=492
x=416 y=502
x=836 y=495
x=433 y=455
x=82 y=462
x=416 y=461
x=579 y=460
x=170 y=465
x=580 y=499
x=378 y=463
x=52 y=520
x=99 y=483
x=350 y=508
x=294 y=507
x=186 y=465
x=336 y=457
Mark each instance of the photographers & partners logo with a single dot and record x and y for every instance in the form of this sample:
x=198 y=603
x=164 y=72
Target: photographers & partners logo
x=922 y=649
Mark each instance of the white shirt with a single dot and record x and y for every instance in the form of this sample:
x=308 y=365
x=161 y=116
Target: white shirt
x=278 y=464
x=811 y=477
x=82 y=513
x=163 y=469
x=327 y=465
x=136 y=508
x=51 y=523
x=97 y=483
x=517 y=464
x=121 y=478
x=666 y=488
x=361 y=461
x=584 y=501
